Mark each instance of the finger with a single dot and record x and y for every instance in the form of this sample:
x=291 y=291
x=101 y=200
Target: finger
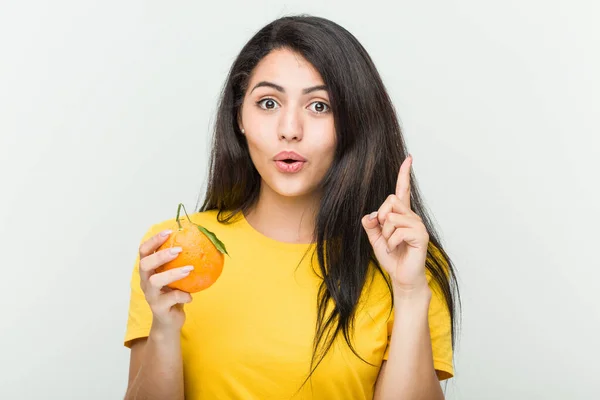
x=150 y=245
x=396 y=239
x=403 y=181
x=410 y=236
x=401 y=235
x=394 y=221
x=386 y=207
x=170 y=299
x=156 y=285
x=372 y=227
x=158 y=281
x=392 y=204
x=149 y=263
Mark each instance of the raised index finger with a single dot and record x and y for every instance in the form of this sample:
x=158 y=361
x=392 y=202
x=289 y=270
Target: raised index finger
x=150 y=245
x=403 y=182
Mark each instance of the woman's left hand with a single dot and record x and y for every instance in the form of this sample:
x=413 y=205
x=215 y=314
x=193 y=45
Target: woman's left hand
x=399 y=237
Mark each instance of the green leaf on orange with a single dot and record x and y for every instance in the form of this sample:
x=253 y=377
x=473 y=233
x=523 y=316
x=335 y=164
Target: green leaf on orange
x=214 y=239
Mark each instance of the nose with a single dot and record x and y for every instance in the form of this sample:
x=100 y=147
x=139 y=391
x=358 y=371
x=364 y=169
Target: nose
x=290 y=127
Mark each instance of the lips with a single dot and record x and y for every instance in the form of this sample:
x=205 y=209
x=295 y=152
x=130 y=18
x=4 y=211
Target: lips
x=289 y=167
x=289 y=161
x=289 y=157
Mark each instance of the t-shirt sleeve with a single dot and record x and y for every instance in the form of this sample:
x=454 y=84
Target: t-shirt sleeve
x=139 y=317
x=440 y=331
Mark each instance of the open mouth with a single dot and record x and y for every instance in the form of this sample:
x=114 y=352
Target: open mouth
x=289 y=165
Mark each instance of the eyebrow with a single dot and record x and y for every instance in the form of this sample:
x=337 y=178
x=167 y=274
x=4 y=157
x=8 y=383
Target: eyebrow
x=282 y=90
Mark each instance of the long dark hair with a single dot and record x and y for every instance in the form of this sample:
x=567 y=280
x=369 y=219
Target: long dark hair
x=370 y=149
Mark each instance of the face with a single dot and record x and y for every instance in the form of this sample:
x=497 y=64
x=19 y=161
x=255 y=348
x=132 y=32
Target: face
x=286 y=108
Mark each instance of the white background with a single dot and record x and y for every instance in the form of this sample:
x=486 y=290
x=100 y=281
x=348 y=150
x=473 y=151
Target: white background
x=105 y=116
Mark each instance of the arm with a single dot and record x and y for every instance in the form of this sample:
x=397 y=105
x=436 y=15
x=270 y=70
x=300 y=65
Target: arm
x=156 y=368
x=400 y=243
x=156 y=365
x=409 y=373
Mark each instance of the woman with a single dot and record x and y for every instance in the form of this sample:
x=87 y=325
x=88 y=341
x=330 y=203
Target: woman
x=336 y=286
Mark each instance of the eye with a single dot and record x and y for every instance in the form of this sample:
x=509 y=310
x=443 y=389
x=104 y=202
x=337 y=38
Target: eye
x=320 y=107
x=269 y=104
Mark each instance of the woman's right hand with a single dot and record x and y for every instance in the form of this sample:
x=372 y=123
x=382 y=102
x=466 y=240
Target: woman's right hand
x=166 y=303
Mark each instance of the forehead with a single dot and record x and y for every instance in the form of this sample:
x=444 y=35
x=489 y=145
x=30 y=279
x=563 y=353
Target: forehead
x=287 y=69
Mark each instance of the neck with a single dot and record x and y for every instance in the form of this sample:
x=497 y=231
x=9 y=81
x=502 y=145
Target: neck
x=283 y=218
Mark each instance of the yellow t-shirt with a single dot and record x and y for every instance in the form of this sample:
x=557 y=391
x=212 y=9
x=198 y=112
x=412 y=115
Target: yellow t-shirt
x=250 y=335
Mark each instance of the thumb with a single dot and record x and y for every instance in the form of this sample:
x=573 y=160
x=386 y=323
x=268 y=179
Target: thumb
x=371 y=225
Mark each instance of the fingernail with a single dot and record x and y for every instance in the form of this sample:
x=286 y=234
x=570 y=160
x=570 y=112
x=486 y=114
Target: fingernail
x=372 y=215
x=166 y=233
x=187 y=269
x=175 y=250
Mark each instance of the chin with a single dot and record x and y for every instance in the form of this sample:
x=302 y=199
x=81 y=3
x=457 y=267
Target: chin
x=289 y=188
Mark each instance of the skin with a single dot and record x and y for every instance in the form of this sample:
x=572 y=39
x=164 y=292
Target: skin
x=400 y=240
x=287 y=120
x=290 y=119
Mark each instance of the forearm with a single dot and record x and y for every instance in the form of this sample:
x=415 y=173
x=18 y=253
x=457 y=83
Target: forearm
x=160 y=376
x=409 y=373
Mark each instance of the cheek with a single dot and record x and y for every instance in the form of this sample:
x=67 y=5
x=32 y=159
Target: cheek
x=257 y=121
x=255 y=150
x=254 y=126
x=259 y=144
x=325 y=139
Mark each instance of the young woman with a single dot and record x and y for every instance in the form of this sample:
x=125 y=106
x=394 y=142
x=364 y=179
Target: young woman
x=336 y=285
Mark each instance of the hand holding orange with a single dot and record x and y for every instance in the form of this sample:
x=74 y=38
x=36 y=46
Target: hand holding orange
x=200 y=248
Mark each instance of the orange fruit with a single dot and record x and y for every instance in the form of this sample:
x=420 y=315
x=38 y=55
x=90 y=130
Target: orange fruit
x=200 y=248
